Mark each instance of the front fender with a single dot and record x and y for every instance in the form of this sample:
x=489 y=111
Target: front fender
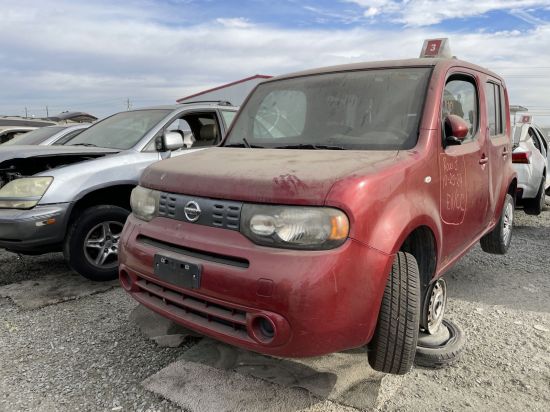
x=386 y=207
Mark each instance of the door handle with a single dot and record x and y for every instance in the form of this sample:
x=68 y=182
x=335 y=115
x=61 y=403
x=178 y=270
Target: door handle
x=484 y=160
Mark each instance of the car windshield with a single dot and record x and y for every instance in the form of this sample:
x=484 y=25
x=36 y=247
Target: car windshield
x=36 y=136
x=120 y=131
x=366 y=110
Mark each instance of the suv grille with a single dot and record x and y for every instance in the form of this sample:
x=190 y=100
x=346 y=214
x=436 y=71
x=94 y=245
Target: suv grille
x=224 y=214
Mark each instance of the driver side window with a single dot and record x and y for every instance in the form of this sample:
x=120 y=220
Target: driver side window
x=460 y=99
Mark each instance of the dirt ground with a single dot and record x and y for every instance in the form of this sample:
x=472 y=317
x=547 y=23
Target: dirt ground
x=84 y=354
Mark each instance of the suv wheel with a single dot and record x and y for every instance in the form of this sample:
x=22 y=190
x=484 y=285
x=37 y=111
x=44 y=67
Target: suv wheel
x=536 y=206
x=91 y=247
x=497 y=241
x=393 y=346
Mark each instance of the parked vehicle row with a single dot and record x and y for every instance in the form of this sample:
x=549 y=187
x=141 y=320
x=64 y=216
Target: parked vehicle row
x=322 y=219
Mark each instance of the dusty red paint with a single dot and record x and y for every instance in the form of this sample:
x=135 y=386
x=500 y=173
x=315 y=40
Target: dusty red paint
x=329 y=300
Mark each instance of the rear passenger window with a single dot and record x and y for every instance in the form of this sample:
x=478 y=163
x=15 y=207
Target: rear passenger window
x=460 y=99
x=495 y=109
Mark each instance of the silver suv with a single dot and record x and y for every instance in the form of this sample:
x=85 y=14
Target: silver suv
x=75 y=198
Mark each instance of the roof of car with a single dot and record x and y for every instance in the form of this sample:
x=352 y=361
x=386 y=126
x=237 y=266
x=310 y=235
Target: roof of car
x=197 y=104
x=423 y=62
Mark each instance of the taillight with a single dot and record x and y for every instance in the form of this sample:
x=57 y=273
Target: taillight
x=521 y=157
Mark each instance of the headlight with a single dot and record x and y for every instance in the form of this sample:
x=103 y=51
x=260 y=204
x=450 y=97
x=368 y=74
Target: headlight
x=145 y=203
x=294 y=227
x=24 y=193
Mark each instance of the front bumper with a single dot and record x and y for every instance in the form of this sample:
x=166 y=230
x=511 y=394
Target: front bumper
x=37 y=230
x=317 y=302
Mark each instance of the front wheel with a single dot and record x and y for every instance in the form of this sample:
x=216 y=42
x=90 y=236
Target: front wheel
x=91 y=246
x=497 y=241
x=393 y=346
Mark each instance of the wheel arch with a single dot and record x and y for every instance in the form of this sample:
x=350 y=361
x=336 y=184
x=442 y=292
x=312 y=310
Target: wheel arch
x=421 y=243
x=512 y=190
x=115 y=194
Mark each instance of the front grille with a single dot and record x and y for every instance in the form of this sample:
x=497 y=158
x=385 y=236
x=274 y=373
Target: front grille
x=224 y=214
x=197 y=311
x=167 y=205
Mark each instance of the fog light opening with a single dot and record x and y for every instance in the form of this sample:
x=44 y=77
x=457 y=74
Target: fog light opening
x=126 y=280
x=263 y=329
x=266 y=328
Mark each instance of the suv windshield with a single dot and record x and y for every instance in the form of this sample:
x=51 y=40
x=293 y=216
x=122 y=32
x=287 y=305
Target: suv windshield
x=120 y=131
x=367 y=110
x=36 y=136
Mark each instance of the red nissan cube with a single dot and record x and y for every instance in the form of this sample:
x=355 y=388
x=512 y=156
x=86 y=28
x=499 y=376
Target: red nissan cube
x=327 y=216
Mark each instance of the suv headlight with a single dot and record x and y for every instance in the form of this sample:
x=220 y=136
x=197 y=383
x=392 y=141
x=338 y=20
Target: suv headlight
x=294 y=227
x=145 y=203
x=24 y=193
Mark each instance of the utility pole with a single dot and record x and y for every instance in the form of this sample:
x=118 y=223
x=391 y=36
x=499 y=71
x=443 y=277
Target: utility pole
x=47 y=112
x=26 y=113
x=128 y=105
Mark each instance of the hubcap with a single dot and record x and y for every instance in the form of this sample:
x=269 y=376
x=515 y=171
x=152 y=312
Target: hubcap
x=508 y=222
x=101 y=244
x=436 y=306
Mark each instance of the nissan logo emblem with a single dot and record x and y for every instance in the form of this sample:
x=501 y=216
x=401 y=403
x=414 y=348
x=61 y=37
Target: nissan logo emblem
x=192 y=211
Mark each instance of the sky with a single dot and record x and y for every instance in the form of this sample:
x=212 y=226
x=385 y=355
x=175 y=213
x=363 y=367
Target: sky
x=96 y=55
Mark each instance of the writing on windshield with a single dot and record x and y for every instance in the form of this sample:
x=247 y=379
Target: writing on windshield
x=368 y=109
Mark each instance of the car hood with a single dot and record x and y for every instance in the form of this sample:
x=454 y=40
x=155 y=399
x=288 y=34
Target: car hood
x=20 y=161
x=26 y=151
x=283 y=176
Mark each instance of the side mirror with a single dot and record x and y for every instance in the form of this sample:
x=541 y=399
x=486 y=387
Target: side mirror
x=172 y=140
x=456 y=130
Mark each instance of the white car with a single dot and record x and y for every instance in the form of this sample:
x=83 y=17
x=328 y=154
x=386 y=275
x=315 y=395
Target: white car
x=49 y=135
x=8 y=133
x=531 y=159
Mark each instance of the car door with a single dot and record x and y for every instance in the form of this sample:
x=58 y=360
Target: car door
x=464 y=177
x=499 y=143
x=200 y=129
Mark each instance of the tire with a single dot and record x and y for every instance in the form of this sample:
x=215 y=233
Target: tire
x=536 y=205
x=444 y=354
x=97 y=261
x=393 y=346
x=498 y=240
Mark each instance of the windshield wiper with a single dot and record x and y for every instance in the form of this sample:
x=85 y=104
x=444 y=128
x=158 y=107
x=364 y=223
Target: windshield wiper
x=84 y=144
x=247 y=145
x=310 y=146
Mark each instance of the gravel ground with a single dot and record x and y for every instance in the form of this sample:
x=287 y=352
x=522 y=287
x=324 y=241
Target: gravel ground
x=85 y=355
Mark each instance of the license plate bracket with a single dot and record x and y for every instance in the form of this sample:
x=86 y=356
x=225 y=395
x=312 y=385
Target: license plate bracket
x=177 y=272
